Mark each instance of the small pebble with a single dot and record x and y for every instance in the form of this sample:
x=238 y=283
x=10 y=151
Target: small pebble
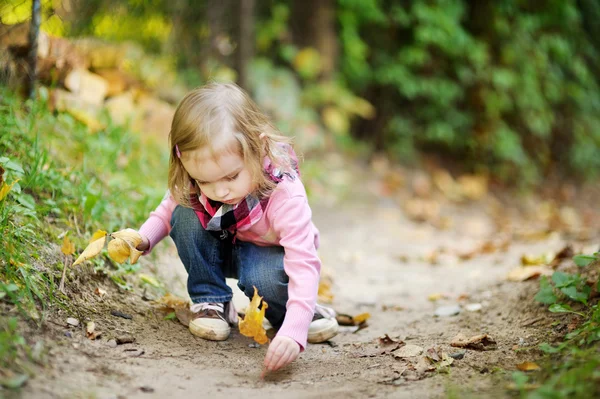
x=473 y=307
x=253 y=345
x=457 y=355
x=68 y=334
x=449 y=310
x=72 y=321
x=112 y=343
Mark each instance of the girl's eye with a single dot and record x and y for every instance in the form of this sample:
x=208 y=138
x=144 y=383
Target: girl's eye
x=232 y=178
x=200 y=183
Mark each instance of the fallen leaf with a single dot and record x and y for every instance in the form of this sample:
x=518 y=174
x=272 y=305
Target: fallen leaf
x=251 y=326
x=130 y=236
x=523 y=273
x=100 y=292
x=347 y=320
x=172 y=302
x=387 y=344
x=437 y=297
x=123 y=246
x=528 y=366
x=325 y=294
x=438 y=358
x=408 y=351
x=119 y=250
x=91 y=332
x=94 y=247
x=566 y=253
x=479 y=342
x=532 y=260
x=68 y=248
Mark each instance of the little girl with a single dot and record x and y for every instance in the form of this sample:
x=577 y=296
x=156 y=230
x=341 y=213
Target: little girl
x=236 y=208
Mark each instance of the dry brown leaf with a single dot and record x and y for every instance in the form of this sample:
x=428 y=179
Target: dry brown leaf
x=94 y=247
x=388 y=345
x=130 y=236
x=523 y=273
x=91 y=332
x=532 y=260
x=123 y=246
x=172 y=302
x=251 y=326
x=528 y=366
x=325 y=294
x=347 y=320
x=68 y=248
x=100 y=292
x=119 y=250
x=479 y=342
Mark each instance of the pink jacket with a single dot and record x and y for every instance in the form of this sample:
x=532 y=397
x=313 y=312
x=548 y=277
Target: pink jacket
x=286 y=222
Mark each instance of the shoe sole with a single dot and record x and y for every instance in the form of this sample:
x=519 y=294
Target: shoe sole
x=210 y=333
x=323 y=335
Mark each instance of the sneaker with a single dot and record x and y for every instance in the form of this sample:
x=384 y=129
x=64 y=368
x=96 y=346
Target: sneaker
x=324 y=326
x=211 y=320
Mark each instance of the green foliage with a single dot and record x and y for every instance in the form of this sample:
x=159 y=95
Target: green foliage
x=68 y=180
x=574 y=365
x=508 y=85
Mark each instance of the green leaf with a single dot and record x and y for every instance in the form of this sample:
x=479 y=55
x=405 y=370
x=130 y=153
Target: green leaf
x=547 y=348
x=562 y=308
x=574 y=294
x=584 y=260
x=562 y=279
x=546 y=293
x=171 y=316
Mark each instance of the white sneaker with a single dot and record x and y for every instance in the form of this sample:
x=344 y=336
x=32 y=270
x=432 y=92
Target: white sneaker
x=324 y=325
x=211 y=320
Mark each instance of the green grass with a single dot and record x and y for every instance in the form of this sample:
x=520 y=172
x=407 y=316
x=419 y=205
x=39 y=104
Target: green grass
x=68 y=181
x=571 y=368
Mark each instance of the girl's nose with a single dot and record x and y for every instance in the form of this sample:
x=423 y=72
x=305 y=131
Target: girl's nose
x=221 y=190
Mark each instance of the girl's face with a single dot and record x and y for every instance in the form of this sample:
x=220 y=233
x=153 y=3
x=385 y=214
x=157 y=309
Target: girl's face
x=225 y=179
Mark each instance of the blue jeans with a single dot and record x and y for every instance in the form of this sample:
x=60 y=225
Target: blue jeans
x=209 y=260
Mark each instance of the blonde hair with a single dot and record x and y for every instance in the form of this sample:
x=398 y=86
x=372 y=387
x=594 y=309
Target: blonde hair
x=212 y=116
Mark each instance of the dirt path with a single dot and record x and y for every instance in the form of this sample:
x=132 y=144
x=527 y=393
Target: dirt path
x=380 y=263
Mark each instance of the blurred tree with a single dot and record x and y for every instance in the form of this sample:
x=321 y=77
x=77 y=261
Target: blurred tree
x=313 y=25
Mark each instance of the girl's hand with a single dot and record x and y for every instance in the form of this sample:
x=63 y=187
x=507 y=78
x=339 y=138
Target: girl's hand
x=144 y=245
x=282 y=351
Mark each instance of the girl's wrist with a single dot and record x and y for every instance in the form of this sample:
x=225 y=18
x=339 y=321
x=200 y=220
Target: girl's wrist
x=144 y=245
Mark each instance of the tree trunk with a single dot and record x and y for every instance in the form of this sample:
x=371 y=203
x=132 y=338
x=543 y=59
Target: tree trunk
x=313 y=25
x=245 y=50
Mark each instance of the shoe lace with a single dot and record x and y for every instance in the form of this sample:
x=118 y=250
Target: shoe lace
x=324 y=311
x=225 y=309
x=198 y=307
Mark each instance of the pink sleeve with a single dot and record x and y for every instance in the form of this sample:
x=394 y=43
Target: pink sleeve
x=293 y=225
x=158 y=224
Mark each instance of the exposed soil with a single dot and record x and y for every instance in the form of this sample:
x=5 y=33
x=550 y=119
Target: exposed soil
x=381 y=263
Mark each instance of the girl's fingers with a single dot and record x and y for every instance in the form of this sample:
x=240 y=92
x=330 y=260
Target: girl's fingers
x=286 y=359
x=273 y=355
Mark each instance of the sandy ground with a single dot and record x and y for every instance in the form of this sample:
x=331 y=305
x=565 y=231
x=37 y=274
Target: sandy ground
x=380 y=263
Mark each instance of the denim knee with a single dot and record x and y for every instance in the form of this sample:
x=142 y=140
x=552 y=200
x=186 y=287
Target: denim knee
x=185 y=223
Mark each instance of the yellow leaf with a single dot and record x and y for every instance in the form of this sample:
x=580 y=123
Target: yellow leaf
x=528 y=366
x=251 y=326
x=68 y=248
x=325 y=294
x=131 y=236
x=123 y=246
x=6 y=188
x=361 y=318
x=119 y=250
x=335 y=120
x=94 y=247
